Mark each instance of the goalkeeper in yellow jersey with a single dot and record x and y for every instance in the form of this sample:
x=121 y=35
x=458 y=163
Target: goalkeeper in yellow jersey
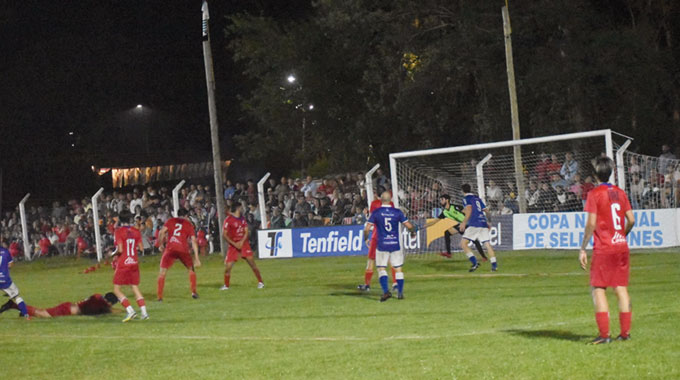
x=455 y=213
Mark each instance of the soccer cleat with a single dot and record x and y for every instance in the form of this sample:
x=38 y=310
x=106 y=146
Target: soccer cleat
x=365 y=288
x=160 y=300
x=224 y=287
x=26 y=317
x=385 y=296
x=494 y=267
x=144 y=317
x=600 y=340
x=445 y=254
x=260 y=285
x=6 y=306
x=473 y=268
x=395 y=287
x=130 y=317
x=623 y=338
x=194 y=296
x=400 y=296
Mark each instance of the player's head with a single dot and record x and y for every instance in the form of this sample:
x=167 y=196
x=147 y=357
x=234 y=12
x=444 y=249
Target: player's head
x=466 y=188
x=603 y=168
x=125 y=217
x=386 y=197
x=236 y=206
x=182 y=213
x=444 y=199
x=111 y=298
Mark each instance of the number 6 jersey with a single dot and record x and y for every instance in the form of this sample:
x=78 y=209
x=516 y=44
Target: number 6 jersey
x=610 y=204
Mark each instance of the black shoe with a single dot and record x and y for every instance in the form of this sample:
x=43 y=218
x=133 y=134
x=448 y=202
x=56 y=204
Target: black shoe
x=600 y=340
x=194 y=296
x=160 y=300
x=364 y=287
x=622 y=338
x=6 y=306
x=400 y=296
x=474 y=267
x=385 y=296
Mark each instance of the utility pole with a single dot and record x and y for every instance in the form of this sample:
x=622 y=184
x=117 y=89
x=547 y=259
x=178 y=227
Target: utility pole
x=517 y=149
x=214 y=135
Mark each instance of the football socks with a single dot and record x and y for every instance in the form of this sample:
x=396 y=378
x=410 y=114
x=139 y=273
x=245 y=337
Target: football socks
x=602 y=320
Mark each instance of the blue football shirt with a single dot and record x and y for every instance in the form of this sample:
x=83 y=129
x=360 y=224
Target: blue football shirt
x=477 y=217
x=5 y=259
x=386 y=221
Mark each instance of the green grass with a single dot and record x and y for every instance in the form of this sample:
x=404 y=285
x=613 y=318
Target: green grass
x=529 y=321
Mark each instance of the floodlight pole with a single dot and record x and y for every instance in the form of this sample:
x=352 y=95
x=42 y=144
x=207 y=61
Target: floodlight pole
x=214 y=135
x=369 y=184
x=175 y=197
x=620 y=165
x=24 y=225
x=480 y=177
x=95 y=220
x=260 y=201
x=514 y=112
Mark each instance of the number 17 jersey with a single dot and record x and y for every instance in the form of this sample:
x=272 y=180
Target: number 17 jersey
x=129 y=237
x=386 y=221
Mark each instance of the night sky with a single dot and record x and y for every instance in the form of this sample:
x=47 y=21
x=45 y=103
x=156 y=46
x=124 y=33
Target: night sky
x=82 y=67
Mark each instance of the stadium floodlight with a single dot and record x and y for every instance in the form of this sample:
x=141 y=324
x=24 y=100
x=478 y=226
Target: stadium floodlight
x=291 y=78
x=260 y=201
x=139 y=106
x=310 y=107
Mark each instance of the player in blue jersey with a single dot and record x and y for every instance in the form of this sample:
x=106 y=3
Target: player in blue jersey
x=475 y=227
x=386 y=220
x=6 y=283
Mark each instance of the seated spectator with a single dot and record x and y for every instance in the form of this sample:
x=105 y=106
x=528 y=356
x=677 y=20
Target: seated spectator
x=310 y=187
x=635 y=191
x=576 y=186
x=541 y=169
x=302 y=207
x=569 y=168
x=547 y=198
x=494 y=195
x=277 y=220
x=299 y=220
x=556 y=181
x=585 y=189
x=314 y=220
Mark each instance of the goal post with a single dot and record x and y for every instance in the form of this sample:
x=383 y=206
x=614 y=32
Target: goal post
x=418 y=178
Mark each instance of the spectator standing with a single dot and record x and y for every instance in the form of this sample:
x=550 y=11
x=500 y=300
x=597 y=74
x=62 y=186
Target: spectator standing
x=569 y=168
x=665 y=158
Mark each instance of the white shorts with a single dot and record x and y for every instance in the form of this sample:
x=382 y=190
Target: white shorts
x=12 y=291
x=396 y=258
x=477 y=233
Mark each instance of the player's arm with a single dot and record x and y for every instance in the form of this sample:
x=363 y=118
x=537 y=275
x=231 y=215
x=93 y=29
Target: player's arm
x=162 y=235
x=591 y=223
x=411 y=227
x=630 y=221
x=236 y=244
x=488 y=217
x=194 y=246
x=367 y=230
x=467 y=210
x=140 y=246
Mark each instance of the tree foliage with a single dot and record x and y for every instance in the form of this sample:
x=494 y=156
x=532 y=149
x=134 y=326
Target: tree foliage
x=388 y=76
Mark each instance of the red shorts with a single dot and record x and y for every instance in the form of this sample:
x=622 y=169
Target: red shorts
x=126 y=275
x=233 y=254
x=373 y=246
x=610 y=269
x=169 y=257
x=60 y=310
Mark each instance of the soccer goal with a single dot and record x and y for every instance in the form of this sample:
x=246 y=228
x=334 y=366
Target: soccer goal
x=560 y=163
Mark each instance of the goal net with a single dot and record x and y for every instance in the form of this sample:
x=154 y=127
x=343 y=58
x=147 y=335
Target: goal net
x=554 y=172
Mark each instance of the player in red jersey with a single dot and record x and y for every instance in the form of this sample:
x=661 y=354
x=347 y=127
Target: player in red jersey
x=607 y=206
x=235 y=232
x=370 y=263
x=128 y=241
x=96 y=304
x=178 y=232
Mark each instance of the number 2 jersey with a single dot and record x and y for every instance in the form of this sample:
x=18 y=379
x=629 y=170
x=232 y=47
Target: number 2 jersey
x=386 y=221
x=610 y=204
x=180 y=230
x=130 y=238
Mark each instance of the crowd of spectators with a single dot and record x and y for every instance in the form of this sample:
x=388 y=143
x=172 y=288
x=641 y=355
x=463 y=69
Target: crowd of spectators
x=554 y=183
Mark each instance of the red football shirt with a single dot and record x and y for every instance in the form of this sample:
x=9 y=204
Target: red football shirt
x=236 y=227
x=377 y=203
x=610 y=204
x=94 y=305
x=180 y=230
x=130 y=238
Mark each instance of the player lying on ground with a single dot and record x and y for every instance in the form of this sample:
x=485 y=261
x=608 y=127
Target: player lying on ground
x=178 y=232
x=370 y=263
x=475 y=226
x=96 y=304
x=607 y=206
x=6 y=283
x=453 y=212
x=128 y=241
x=385 y=220
x=235 y=232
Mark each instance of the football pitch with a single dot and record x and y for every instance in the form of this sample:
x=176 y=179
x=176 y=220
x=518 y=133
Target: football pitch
x=531 y=320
